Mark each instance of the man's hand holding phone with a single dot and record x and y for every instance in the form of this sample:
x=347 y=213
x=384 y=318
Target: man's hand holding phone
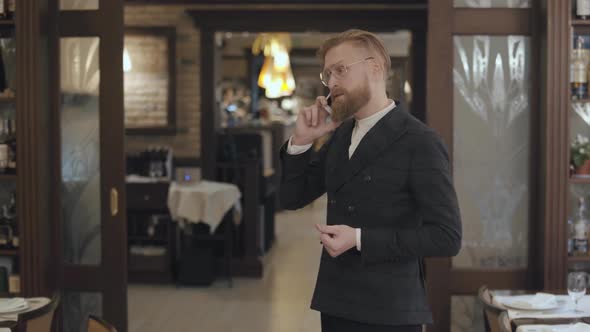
x=312 y=122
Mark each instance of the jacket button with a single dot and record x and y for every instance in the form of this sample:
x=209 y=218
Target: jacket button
x=351 y=208
x=332 y=201
x=368 y=178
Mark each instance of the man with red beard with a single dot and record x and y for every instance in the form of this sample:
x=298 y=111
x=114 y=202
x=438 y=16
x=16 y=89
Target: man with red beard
x=391 y=200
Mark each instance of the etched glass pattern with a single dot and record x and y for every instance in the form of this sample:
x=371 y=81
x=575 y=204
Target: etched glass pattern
x=80 y=147
x=492 y=3
x=77 y=307
x=467 y=314
x=78 y=4
x=491 y=149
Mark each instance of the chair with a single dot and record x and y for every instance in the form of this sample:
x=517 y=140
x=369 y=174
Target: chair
x=40 y=319
x=504 y=322
x=97 y=324
x=491 y=311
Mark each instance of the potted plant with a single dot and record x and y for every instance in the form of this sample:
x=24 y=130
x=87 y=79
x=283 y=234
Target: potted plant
x=580 y=155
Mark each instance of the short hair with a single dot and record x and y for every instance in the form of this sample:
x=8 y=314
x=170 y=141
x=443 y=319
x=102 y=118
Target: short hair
x=364 y=38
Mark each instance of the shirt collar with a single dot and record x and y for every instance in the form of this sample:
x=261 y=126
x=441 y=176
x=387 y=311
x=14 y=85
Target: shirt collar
x=370 y=121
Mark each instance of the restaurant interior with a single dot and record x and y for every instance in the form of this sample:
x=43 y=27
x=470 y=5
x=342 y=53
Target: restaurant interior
x=145 y=192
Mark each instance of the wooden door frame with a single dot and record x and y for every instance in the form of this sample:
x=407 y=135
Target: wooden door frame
x=451 y=21
x=110 y=277
x=35 y=153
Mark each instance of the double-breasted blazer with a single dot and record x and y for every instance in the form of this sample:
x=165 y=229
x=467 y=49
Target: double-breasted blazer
x=397 y=189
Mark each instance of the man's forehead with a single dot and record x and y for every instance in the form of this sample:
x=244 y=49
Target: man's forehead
x=342 y=53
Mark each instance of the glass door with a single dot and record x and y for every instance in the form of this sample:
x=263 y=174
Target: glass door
x=89 y=49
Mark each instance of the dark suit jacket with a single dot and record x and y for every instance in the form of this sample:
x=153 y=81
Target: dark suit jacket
x=397 y=188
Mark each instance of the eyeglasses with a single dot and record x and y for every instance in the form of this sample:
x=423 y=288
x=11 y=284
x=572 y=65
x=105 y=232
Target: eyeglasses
x=338 y=71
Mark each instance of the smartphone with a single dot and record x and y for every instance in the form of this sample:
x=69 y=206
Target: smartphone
x=329 y=100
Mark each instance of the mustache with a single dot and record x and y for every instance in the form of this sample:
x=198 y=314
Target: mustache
x=337 y=91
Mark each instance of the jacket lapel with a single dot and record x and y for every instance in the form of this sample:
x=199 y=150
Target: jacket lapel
x=338 y=153
x=388 y=130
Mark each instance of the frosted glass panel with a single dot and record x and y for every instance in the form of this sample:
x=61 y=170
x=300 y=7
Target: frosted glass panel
x=491 y=149
x=466 y=314
x=78 y=4
x=80 y=147
x=77 y=307
x=493 y=3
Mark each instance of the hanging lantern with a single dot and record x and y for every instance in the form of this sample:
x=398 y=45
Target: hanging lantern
x=276 y=76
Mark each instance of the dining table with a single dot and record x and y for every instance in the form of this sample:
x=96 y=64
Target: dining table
x=545 y=312
x=9 y=314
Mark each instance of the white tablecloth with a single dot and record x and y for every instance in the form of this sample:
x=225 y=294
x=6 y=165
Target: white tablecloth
x=565 y=311
x=204 y=201
x=580 y=327
x=34 y=303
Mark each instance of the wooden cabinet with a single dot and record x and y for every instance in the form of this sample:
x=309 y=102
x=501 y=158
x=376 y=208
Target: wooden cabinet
x=151 y=233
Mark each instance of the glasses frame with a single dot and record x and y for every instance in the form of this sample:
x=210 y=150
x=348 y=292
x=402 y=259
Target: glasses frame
x=325 y=81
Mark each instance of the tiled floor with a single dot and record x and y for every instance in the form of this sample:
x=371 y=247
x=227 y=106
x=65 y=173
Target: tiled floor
x=277 y=303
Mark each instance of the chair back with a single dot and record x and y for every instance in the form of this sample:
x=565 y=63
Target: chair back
x=491 y=311
x=504 y=322
x=40 y=319
x=97 y=324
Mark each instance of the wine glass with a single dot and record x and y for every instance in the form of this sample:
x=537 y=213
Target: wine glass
x=576 y=287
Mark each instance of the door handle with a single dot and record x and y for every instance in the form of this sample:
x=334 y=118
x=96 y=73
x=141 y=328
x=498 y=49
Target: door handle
x=114 y=202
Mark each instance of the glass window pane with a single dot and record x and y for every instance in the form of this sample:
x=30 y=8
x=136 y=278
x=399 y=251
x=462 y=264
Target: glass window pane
x=78 y=4
x=80 y=147
x=8 y=54
x=491 y=149
x=466 y=314
x=493 y=3
x=77 y=307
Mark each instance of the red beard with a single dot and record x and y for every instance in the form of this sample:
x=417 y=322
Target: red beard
x=346 y=104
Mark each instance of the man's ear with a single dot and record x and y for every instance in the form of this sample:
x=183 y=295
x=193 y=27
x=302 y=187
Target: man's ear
x=376 y=68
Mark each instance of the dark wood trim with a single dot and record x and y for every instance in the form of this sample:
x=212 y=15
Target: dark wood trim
x=555 y=141
x=186 y=162
x=535 y=172
x=467 y=282
x=110 y=277
x=80 y=23
x=85 y=279
x=33 y=189
x=322 y=20
x=208 y=124
x=170 y=34
x=160 y=131
x=439 y=110
x=492 y=21
x=112 y=164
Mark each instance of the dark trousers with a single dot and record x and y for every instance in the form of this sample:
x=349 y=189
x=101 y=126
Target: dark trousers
x=336 y=324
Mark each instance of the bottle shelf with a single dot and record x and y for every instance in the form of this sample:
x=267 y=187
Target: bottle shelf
x=578 y=259
x=581 y=101
x=581 y=23
x=6 y=100
x=7 y=177
x=8 y=252
x=580 y=179
x=7 y=22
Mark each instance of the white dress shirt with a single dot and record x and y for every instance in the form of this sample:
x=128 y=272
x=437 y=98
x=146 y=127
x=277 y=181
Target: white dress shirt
x=361 y=128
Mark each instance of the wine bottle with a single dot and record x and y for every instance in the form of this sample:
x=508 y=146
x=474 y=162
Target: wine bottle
x=578 y=71
x=11 y=216
x=11 y=8
x=11 y=142
x=583 y=9
x=3 y=9
x=581 y=230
